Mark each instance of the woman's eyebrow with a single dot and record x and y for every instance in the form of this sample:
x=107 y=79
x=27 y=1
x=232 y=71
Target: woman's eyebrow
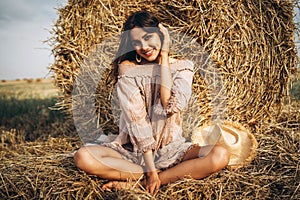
x=132 y=41
x=146 y=34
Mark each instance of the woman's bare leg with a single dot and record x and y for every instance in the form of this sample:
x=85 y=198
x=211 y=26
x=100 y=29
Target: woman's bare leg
x=109 y=164
x=195 y=166
x=106 y=163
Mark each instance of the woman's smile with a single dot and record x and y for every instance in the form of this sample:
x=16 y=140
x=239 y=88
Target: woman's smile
x=148 y=53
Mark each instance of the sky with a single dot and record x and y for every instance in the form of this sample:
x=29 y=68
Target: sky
x=24 y=25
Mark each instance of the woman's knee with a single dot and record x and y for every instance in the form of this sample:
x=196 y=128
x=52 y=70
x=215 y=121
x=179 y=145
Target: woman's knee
x=83 y=158
x=89 y=159
x=219 y=158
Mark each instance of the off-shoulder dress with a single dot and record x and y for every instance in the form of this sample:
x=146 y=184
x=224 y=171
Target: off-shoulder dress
x=144 y=124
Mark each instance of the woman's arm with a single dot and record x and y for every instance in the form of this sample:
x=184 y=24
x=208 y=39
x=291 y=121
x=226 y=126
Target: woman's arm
x=153 y=181
x=166 y=77
x=135 y=115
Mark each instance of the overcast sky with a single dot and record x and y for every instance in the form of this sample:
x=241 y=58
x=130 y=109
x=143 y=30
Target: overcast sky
x=24 y=25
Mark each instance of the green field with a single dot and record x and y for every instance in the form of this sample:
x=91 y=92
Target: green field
x=28 y=88
x=26 y=107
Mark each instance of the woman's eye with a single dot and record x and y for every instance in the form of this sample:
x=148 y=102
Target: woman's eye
x=134 y=44
x=147 y=37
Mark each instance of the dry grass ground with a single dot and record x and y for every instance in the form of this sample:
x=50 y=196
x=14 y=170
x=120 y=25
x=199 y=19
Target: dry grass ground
x=43 y=168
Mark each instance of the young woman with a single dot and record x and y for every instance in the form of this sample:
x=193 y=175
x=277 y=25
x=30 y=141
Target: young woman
x=152 y=89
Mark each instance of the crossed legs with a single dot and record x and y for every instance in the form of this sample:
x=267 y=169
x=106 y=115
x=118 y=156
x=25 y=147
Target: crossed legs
x=107 y=163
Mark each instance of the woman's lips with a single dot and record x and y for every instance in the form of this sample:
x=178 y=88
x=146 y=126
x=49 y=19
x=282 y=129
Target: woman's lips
x=148 y=53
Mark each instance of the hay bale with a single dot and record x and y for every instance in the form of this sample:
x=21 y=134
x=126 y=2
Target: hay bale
x=251 y=42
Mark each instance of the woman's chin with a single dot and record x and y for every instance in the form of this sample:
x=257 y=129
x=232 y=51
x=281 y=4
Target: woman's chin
x=151 y=59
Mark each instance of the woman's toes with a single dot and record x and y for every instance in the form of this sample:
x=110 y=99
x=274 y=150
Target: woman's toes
x=108 y=186
x=119 y=185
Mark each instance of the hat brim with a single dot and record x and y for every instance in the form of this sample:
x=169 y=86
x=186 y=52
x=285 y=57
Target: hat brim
x=237 y=139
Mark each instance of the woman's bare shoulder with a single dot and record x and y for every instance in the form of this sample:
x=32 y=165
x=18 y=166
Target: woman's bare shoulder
x=126 y=65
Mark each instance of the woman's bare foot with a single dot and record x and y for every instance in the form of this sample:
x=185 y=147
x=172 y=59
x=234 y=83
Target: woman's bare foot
x=117 y=185
x=127 y=185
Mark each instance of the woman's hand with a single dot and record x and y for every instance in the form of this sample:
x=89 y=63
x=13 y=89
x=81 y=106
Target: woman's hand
x=152 y=182
x=165 y=48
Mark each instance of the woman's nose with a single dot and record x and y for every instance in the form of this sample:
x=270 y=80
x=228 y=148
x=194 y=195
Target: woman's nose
x=144 y=45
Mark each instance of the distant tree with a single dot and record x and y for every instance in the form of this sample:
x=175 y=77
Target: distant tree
x=29 y=80
x=38 y=80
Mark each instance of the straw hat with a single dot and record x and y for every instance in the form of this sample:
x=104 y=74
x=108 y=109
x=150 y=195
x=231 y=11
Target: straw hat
x=237 y=139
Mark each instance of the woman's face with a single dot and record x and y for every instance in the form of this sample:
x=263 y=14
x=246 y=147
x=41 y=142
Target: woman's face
x=147 y=45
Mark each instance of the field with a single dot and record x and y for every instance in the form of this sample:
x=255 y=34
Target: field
x=36 y=145
x=29 y=88
x=25 y=106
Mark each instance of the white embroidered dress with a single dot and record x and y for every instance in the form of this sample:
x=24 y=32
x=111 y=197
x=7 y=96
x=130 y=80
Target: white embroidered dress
x=144 y=124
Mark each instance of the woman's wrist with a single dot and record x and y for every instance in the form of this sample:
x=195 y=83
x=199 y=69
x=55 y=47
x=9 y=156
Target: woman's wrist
x=164 y=59
x=164 y=53
x=151 y=173
x=149 y=162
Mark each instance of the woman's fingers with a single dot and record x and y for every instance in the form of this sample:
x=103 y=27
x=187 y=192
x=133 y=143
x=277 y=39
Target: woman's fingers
x=164 y=31
x=156 y=189
x=153 y=188
x=166 y=41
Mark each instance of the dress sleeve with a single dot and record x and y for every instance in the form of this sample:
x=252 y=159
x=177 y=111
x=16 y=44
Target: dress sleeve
x=133 y=109
x=181 y=90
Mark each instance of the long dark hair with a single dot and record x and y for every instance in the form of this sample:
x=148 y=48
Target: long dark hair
x=142 y=19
